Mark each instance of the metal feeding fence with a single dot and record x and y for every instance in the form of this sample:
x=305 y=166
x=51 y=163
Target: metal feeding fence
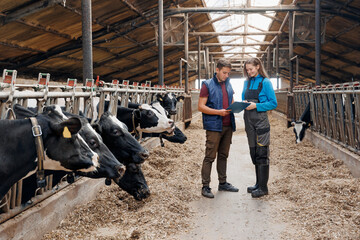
x=85 y=98
x=335 y=111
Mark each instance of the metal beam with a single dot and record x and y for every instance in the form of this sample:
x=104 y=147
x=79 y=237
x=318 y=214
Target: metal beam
x=234 y=10
x=186 y=42
x=87 y=40
x=232 y=33
x=235 y=44
x=217 y=53
x=161 y=43
x=317 y=42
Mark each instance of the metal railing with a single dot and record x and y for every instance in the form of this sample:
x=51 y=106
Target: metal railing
x=335 y=111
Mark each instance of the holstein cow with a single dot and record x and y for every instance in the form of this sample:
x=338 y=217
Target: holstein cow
x=169 y=101
x=302 y=124
x=108 y=165
x=146 y=118
x=128 y=151
x=64 y=148
x=177 y=137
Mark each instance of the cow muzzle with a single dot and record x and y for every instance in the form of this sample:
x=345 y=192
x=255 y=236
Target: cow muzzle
x=172 y=112
x=144 y=155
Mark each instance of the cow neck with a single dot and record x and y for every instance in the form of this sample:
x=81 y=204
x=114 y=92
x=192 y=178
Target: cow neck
x=37 y=133
x=134 y=131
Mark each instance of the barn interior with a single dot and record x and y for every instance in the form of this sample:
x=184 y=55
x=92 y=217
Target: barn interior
x=47 y=36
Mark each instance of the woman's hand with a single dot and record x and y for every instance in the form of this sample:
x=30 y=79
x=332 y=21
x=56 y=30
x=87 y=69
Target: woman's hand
x=251 y=106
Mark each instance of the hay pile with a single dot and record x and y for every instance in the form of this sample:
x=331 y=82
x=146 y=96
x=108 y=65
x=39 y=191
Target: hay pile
x=173 y=176
x=315 y=193
x=312 y=192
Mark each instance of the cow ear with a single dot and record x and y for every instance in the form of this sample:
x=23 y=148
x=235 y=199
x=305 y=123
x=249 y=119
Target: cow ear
x=22 y=112
x=137 y=113
x=67 y=128
x=159 y=97
x=97 y=127
x=180 y=98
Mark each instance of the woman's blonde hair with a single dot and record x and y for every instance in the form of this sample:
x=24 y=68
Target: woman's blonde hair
x=256 y=62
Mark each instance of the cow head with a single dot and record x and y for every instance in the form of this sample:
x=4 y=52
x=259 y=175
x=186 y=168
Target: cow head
x=153 y=119
x=64 y=147
x=302 y=124
x=169 y=101
x=120 y=142
x=299 y=129
x=134 y=182
x=178 y=137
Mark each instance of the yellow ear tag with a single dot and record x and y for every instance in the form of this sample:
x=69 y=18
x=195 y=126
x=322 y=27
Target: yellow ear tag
x=66 y=133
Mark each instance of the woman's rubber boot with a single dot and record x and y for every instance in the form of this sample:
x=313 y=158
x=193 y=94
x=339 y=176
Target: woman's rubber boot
x=263 y=180
x=256 y=186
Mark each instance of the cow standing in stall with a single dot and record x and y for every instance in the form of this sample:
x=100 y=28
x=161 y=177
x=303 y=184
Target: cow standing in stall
x=168 y=104
x=302 y=124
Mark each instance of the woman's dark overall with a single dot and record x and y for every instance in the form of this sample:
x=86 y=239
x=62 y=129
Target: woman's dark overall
x=257 y=128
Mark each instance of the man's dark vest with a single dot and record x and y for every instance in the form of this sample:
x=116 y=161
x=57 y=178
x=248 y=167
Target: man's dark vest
x=215 y=101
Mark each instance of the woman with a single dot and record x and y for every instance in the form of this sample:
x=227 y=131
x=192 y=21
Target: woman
x=258 y=91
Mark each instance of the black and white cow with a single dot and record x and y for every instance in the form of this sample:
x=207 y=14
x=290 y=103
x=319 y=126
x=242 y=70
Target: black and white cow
x=146 y=118
x=117 y=138
x=177 y=137
x=302 y=124
x=169 y=101
x=128 y=151
x=134 y=182
x=64 y=148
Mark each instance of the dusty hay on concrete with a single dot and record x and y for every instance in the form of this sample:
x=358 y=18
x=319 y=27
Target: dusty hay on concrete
x=173 y=176
x=316 y=193
x=313 y=193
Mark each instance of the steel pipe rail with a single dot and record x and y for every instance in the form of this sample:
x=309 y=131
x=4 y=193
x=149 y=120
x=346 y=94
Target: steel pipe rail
x=232 y=33
x=218 y=53
x=234 y=10
x=235 y=44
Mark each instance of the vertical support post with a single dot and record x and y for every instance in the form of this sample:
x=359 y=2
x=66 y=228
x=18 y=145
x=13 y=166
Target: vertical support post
x=199 y=61
x=291 y=49
x=212 y=68
x=297 y=70
x=277 y=62
x=268 y=61
x=180 y=72
x=87 y=40
x=207 y=63
x=186 y=42
x=317 y=43
x=161 y=43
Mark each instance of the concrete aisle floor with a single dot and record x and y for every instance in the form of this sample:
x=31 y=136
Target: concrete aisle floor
x=230 y=215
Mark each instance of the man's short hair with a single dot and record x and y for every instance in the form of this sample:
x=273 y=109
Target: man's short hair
x=223 y=63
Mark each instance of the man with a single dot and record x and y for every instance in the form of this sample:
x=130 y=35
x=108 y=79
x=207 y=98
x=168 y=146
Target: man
x=215 y=96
